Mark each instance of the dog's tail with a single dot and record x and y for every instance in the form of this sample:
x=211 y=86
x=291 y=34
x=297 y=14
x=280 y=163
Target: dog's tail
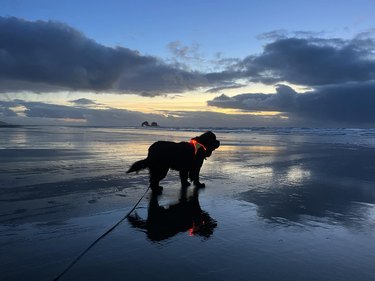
x=139 y=165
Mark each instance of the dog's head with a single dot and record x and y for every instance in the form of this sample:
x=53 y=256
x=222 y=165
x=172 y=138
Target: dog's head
x=208 y=139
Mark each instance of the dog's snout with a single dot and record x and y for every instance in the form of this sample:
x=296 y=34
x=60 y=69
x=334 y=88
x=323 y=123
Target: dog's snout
x=217 y=144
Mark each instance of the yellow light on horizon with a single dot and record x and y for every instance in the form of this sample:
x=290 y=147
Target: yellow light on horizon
x=174 y=103
x=170 y=104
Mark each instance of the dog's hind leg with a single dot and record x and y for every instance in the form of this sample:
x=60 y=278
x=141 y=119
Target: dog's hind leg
x=157 y=173
x=184 y=178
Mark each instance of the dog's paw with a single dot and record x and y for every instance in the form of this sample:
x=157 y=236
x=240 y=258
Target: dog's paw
x=157 y=189
x=199 y=184
x=185 y=184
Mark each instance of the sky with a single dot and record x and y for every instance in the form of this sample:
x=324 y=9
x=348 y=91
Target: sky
x=188 y=64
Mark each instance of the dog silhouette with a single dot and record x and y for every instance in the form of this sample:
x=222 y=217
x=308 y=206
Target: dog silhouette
x=185 y=157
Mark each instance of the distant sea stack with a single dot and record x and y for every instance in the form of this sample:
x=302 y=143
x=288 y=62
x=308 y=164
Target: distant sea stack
x=146 y=124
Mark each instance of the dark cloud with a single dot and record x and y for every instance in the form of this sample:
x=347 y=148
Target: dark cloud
x=350 y=103
x=44 y=56
x=225 y=87
x=84 y=102
x=283 y=100
x=7 y=112
x=56 y=54
x=45 y=111
x=305 y=60
x=159 y=78
x=312 y=61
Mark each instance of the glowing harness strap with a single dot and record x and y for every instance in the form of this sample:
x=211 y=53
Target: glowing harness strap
x=197 y=146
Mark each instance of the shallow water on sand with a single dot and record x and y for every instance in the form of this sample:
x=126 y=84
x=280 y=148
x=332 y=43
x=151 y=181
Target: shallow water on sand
x=278 y=205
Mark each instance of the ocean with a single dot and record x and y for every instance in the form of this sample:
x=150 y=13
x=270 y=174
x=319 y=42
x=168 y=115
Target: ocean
x=279 y=204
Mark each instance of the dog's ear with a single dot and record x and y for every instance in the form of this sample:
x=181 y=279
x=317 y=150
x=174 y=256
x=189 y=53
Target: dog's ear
x=208 y=139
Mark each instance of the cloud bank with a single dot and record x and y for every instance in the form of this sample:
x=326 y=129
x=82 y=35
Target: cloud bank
x=80 y=114
x=350 y=103
x=52 y=114
x=341 y=74
x=50 y=56
x=312 y=61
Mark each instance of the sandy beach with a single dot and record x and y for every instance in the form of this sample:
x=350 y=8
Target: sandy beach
x=279 y=204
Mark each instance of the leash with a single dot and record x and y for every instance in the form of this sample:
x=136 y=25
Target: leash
x=100 y=238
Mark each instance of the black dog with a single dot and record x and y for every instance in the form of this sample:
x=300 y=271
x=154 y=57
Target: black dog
x=185 y=157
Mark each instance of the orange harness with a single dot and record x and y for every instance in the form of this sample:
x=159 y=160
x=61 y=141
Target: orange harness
x=197 y=146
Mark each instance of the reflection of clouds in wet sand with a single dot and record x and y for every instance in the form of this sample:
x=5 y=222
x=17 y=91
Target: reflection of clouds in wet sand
x=243 y=161
x=329 y=184
x=297 y=174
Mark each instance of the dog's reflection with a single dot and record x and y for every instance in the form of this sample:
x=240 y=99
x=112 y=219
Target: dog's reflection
x=164 y=222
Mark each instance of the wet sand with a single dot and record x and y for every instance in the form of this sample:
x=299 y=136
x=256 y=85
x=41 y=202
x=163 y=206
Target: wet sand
x=278 y=205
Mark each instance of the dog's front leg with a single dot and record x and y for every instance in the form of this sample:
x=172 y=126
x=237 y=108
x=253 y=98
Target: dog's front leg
x=194 y=177
x=196 y=168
